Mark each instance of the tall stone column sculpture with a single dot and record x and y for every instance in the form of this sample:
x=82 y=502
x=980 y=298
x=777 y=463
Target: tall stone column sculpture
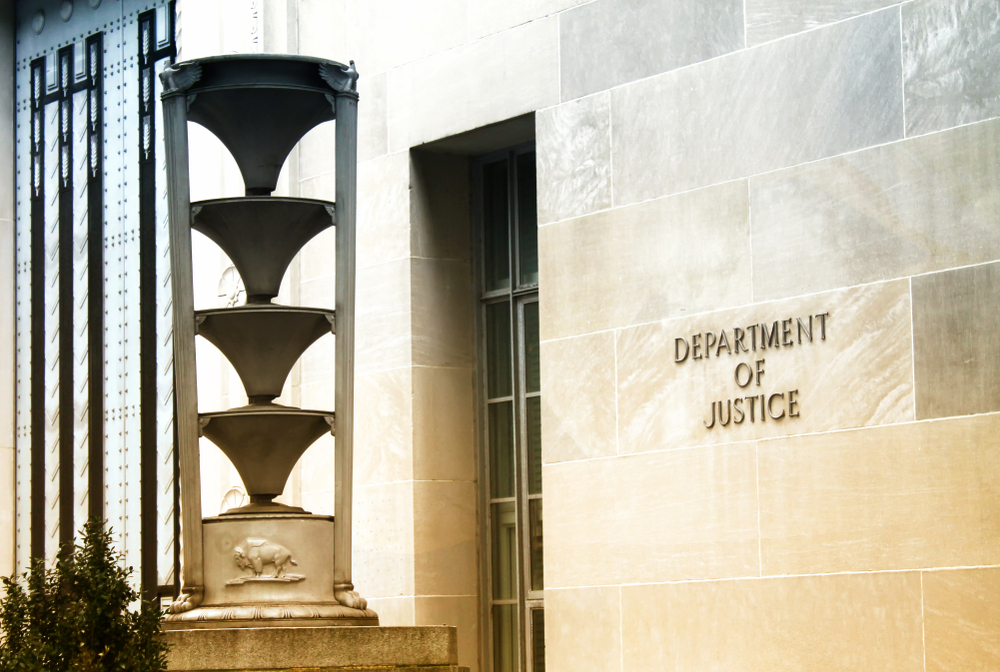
x=264 y=564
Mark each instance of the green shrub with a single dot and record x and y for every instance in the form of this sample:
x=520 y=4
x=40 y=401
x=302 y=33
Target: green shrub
x=79 y=616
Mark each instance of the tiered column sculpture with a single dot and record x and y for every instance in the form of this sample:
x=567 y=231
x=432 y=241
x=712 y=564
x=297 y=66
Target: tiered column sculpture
x=264 y=564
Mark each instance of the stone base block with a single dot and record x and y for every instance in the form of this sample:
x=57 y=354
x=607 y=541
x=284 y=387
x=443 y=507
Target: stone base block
x=395 y=649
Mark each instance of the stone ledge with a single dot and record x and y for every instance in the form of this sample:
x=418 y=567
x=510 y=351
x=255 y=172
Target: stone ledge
x=423 y=648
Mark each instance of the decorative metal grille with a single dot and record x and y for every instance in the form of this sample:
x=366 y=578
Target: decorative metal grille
x=94 y=397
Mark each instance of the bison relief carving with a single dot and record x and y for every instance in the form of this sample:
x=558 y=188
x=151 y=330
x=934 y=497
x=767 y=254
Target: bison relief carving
x=265 y=560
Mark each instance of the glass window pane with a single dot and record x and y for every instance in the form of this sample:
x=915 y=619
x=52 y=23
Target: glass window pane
x=501 y=448
x=505 y=637
x=503 y=526
x=531 y=369
x=533 y=430
x=496 y=231
x=527 y=221
x=498 y=340
x=535 y=532
x=537 y=640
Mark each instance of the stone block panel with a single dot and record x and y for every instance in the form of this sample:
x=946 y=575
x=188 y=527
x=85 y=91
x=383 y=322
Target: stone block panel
x=583 y=629
x=955 y=324
x=574 y=158
x=910 y=207
x=811 y=96
x=383 y=338
x=578 y=405
x=383 y=417
x=608 y=42
x=444 y=538
x=443 y=319
x=837 y=623
x=664 y=258
x=460 y=611
x=950 y=61
x=439 y=206
x=383 y=525
x=489 y=80
x=373 y=132
x=771 y=19
x=492 y=16
x=667 y=516
x=383 y=227
x=855 y=370
x=962 y=620
x=444 y=412
x=384 y=34
x=322 y=30
x=909 y=496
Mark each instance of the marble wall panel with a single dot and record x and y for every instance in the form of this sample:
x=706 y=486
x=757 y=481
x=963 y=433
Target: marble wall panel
x=861 y=374
x=393 y=611
x=383 y=539
x=962 y=620
x=382 y=319
x=383 y=417
x=815 y=95
x=583 y=629
x=910 y=207
x=443 y=318
x=384 y=34
x=322 y=29
x=383 y=210
x=684 y=254
x=316 y=501
x=909 y=496
x=667 y=516
x=490 y=80
x=440 y=219
x=316 y=470
x=373 y=132
x=317 y=363
x=491 y=16
x=321 y=186
x=461 y=611
x=771 y=19
x=317 y=261
x=574 y=158
x=609 y=42
x=444 y=437
x=578 y=405
x=446 y=559
x=832 y=623
x=316 y=152
x=955 y=324
x=318 y=293
x=950 y=60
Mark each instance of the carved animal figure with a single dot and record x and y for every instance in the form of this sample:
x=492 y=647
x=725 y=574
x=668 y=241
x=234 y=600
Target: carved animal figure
x=254 y=554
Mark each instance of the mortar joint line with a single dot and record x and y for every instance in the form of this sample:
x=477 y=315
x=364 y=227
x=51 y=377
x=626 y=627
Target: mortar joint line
x=760 y=552
x=902 y=73
x=923 y=622
x=618 y=446
x=913 y=354
x=621 y=633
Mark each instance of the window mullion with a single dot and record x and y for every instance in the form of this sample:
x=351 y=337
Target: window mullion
x=519 y=411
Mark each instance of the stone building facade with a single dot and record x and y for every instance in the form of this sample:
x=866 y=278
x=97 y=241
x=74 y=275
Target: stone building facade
x=767 y=273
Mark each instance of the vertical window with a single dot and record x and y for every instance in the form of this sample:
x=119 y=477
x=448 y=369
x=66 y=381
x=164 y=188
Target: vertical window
x=504 y=185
